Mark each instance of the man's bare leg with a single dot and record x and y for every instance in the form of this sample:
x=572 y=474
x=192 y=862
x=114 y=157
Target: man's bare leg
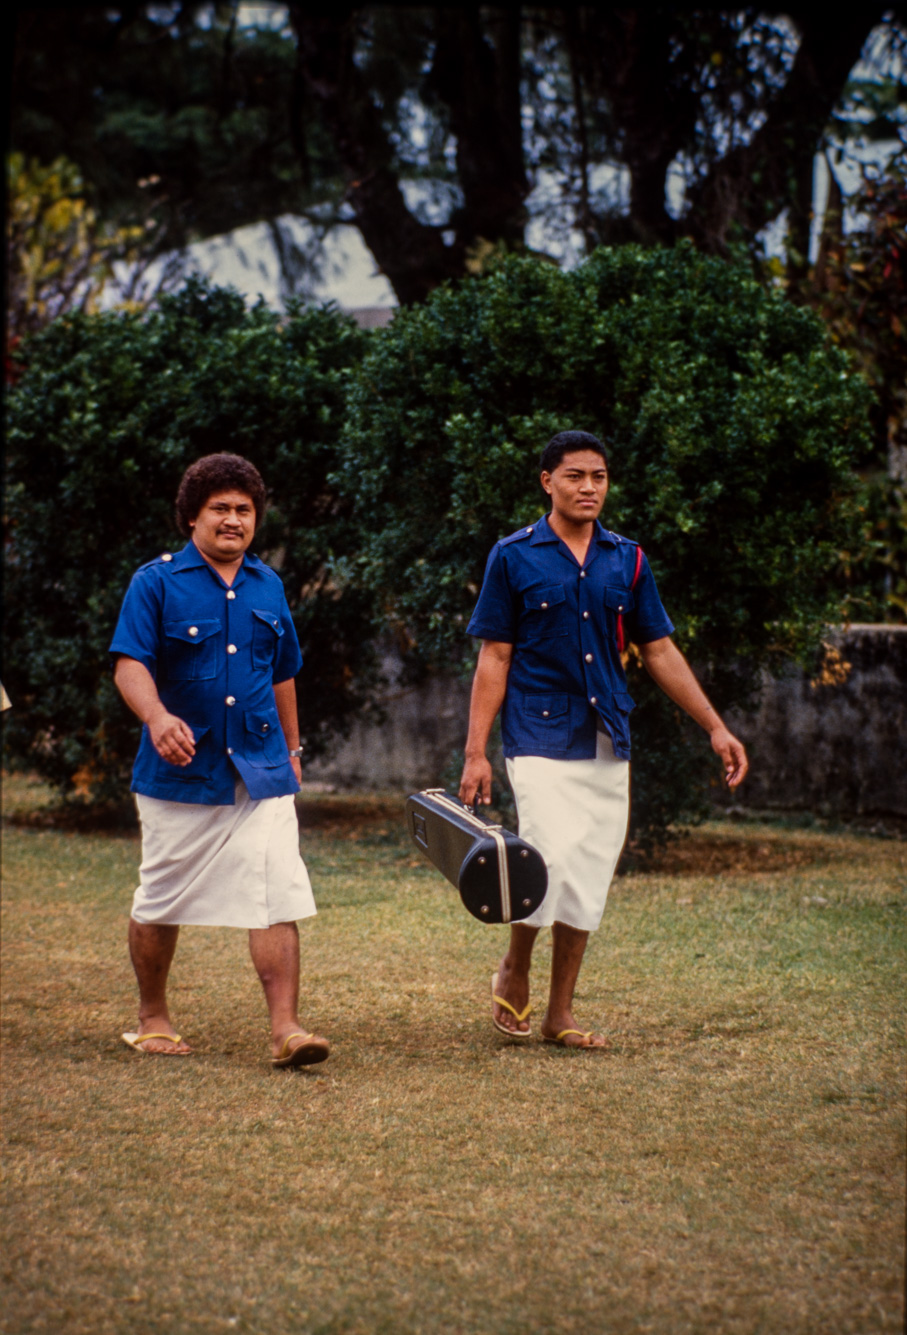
x=568 y=949
x=151 y=949
x=513 y=976
x=275 y=954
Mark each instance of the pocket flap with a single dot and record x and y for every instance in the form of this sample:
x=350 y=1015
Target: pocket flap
x=193 y=632
x=546 y=706
x=624 y=702
x=270 y=619
x=619 y=600
x=542 y=599
x=262 y=721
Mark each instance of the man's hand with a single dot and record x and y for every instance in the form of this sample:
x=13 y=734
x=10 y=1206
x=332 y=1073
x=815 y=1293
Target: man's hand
x=475 y=785
x=296 y=765
x=172 y=738
x=732 y=754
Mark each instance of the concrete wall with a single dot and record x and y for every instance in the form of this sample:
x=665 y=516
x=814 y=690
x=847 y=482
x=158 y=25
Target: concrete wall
x=833 y=744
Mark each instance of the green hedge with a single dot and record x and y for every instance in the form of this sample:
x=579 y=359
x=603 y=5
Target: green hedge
x=106 y=415
x=733 y=424
x=396 y=460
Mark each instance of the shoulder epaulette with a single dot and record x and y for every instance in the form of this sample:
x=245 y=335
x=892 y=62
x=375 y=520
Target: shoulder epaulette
x=164 y=559
x=523 y=533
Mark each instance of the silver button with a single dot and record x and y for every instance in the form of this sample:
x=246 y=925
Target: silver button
x=231 y=648
x=231 y=595
x=593 y=700
x=275 y=624
x=582 y=574
x=546 y=713
x=193 y=630
x=585 y=616
x=529 y=530
x=166 y=556
x=544 y=605
x=621 y=608
x=265 y=726
x=229 y=750
x=230 y=700
x=588 y=658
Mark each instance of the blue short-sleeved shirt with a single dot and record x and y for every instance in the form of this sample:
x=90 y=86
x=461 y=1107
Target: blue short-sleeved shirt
x=215 y=653
x=566 y=672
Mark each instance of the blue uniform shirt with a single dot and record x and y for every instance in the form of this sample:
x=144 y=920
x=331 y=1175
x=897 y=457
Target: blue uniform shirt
x=215 y=653
x=561 y=619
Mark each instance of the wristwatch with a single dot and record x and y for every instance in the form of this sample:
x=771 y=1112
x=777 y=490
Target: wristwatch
x=296 y=752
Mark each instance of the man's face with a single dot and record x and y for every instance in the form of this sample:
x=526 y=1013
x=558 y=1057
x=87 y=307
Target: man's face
x=578 y=486
x=224 y=526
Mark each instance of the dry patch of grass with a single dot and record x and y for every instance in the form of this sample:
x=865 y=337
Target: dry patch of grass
x=736 y=1164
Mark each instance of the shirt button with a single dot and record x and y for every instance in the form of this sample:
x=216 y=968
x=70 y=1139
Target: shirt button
x=230 y=700
x=166 y=556
x=585 y=616
x=231 y=648
x=231 y=595
x=546 y=713
x=582 y=574
x=193 y=630
x=529 y=530
x=621 y=608
x=229 y=750
x=265 y=726
x=544 y=605
x=588 y=658
x=593 y=700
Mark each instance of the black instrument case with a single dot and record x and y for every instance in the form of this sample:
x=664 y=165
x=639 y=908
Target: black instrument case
x=500 y=877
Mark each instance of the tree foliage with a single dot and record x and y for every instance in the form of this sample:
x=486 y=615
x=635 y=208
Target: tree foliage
x=440 y=131
x=860 y=289
x=734 y=426
x=59 y=255
x=106 y=415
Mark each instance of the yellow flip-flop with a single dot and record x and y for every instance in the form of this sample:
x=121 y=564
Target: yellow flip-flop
x=135 y=1042
x=313 y=1050
x=519 y=1016
x=558 y=1041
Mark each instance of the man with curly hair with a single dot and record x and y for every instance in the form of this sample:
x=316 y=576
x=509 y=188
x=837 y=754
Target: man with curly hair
x=206 y=655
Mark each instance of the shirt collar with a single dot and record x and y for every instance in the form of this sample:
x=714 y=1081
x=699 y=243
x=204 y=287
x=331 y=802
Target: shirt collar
x=543 y=532
x=191 y=558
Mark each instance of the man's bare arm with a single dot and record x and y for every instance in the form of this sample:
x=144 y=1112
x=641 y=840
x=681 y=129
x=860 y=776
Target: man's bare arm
x=667 y=666
x=285 y=700
x=489 y=687
x=172 y=738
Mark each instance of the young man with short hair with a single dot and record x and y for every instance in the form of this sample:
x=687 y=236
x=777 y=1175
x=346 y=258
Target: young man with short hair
x=560 y=600
x=206 y=656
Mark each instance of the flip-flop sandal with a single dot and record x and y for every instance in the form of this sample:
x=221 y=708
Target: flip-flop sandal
x=304 y=1054
x=558 y=1041
x=519 y=1016
x=135 y=1042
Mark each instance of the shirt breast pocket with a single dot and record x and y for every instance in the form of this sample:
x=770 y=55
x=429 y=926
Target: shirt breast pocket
x=265 y=745
x=619 y=600
x=266 y=636
x=190 y=649
x=545 y=612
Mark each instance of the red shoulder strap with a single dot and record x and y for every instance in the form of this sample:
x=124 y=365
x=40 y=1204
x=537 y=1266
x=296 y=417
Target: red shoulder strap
x=621 y=635
x=637 y=569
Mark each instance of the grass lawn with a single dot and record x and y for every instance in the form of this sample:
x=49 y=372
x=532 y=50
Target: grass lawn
x=735 y=1164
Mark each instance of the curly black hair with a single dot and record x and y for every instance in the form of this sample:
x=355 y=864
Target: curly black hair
x=214 y=473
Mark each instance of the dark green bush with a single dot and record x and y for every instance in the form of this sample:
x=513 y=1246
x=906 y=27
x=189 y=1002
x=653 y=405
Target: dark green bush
x=107 y=413
x=733 y=425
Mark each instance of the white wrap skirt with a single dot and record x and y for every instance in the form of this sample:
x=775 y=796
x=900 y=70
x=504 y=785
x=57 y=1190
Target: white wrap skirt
x=218 y=866
x=575 y=813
